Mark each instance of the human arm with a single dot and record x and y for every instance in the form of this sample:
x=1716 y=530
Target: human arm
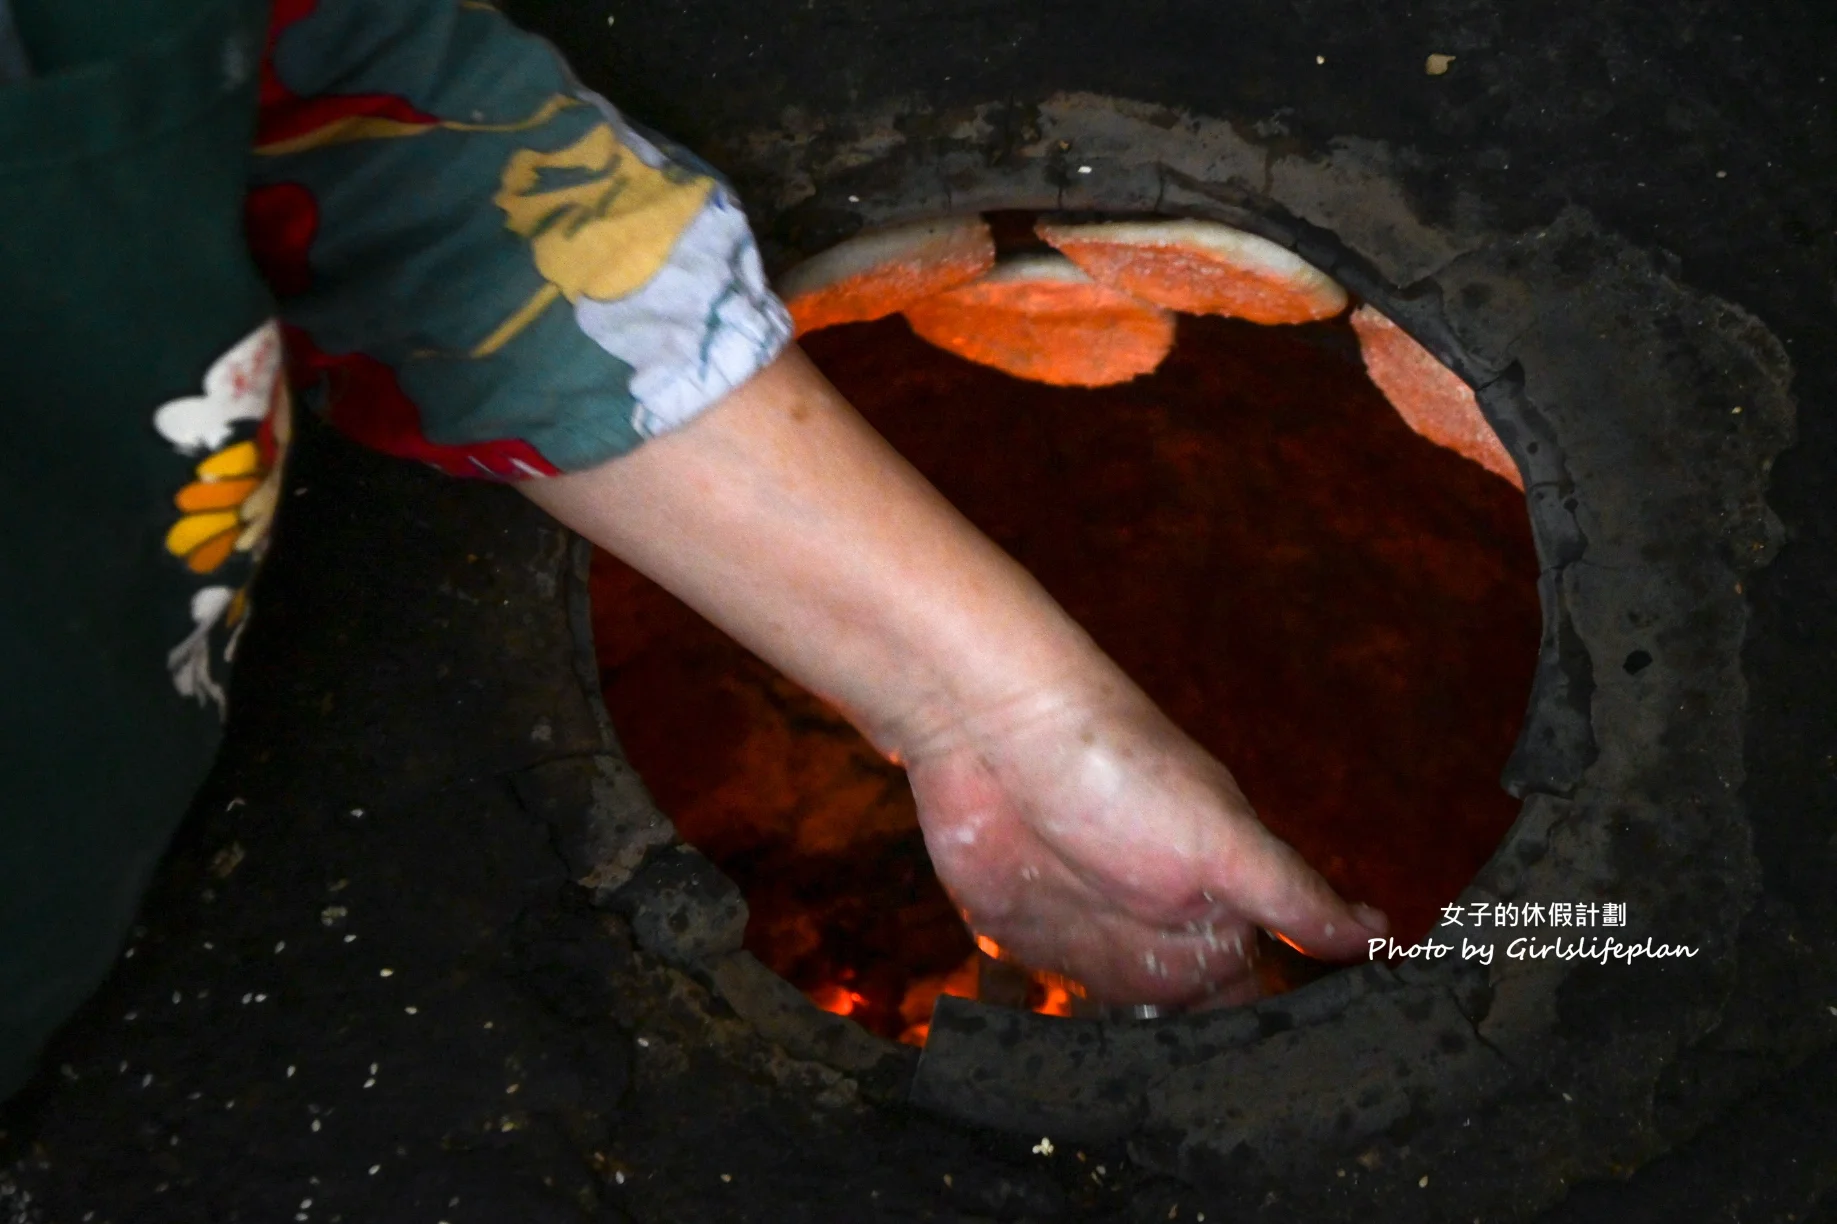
x=1071 y=821
x=559 y=287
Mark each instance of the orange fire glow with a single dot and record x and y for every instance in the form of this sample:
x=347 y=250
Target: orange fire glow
x=1257 y=460
x=922 y=996
x=836 y=999
x=1049 y=994
x=1058 y=994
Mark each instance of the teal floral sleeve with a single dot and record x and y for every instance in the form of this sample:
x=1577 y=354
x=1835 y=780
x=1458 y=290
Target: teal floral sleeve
x=481 y=264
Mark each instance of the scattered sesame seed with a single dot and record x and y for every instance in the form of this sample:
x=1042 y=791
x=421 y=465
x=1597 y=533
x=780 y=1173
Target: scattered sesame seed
x=1044 y=1148
x=350 y=939
x=373 y=1068
x=512 y=1089
x=1320 y=59
x=146 y=1079
x=619 y=1178
x=315 y=1126
x=411 y=1010
x=385 y=973
x=854 y=199
x=643 y=1041
x=1424 y=1182
x=290 y=1071
x=371 y=1082
x=281 y=946
x=947 y=1179
x=261 y=998
x=727 y=1177
x=375 y=1169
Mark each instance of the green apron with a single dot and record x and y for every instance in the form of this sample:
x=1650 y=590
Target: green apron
x=124 y=277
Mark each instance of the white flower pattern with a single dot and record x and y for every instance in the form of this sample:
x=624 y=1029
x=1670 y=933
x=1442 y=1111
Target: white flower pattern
x=229 y=509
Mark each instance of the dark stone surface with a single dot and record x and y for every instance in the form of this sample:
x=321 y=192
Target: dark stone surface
x=682 y=908
x=405 y=661
x=1646 y=415
x=553 y=1066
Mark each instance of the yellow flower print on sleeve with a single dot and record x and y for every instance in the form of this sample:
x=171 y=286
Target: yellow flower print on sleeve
x=600 y=217
x=229 y=508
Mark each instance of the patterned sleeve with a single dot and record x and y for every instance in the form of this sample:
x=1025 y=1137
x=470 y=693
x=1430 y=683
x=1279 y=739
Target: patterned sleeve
x=480 y=263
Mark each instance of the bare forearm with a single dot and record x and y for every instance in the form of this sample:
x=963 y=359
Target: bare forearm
x=1069 y=819
x=786 y=520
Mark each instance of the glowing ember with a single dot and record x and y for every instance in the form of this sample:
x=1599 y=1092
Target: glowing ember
x=1056 y=996
x=923 y=994
x=836 y=999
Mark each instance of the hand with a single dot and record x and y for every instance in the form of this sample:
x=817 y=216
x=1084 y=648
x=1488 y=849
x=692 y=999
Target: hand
x=1090 y=837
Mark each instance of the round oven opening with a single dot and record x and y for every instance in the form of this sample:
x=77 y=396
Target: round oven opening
x=1341 y=609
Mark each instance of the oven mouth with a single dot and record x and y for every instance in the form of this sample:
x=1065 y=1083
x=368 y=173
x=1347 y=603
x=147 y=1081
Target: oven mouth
x=1285 y=553
x=1613 y=386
